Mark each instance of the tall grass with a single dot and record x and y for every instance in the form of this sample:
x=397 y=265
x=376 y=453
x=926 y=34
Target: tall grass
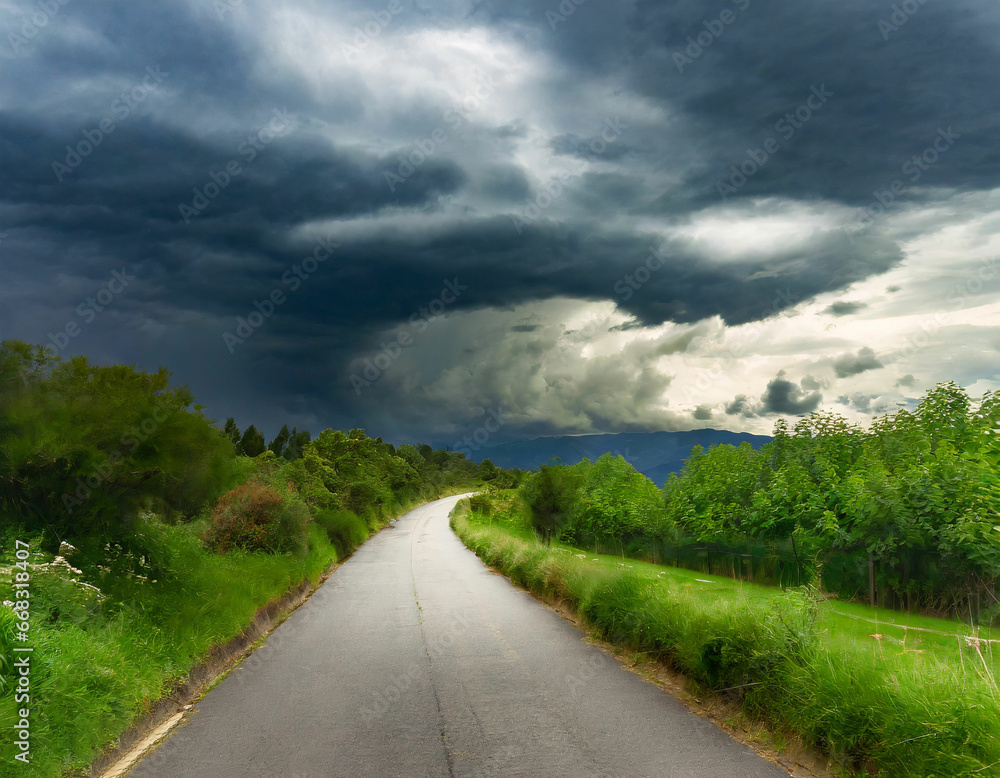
x=91 y=677
x=878 y=712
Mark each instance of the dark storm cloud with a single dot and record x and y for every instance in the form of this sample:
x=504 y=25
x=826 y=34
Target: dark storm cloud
x=851 y=364
x=741 y=406
x=702 y=413
x=763 y=66
x=844 y=308
x=785 y=397
x=590 y=264
x=507 y=183
x=588 y=148
x=858 y=400
x=812 y=383
x=780 y=397
x=226 y=75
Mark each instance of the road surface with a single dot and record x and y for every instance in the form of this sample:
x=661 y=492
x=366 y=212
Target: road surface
x=413 y=659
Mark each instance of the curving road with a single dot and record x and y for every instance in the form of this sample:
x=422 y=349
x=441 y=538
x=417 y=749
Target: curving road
x=414 y=659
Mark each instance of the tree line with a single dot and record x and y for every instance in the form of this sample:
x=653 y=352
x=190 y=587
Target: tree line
x=90 y=454
x=904 y=514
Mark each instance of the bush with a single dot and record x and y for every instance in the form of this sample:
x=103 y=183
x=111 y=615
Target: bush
x=255 y=517
x=345 y=529
x=481 y=503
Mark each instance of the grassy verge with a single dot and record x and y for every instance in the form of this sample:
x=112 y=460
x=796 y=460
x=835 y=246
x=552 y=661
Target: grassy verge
x=923 y=704
x=102 y=657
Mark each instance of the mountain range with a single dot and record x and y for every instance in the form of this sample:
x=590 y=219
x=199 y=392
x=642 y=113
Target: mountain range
x=655 y=454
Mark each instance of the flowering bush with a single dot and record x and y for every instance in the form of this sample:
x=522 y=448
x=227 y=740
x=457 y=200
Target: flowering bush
x=256 y=517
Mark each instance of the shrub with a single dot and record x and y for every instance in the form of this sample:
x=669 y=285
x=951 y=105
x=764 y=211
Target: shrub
x=293 y=526
x=58 y=594
x=345 y=529
x=255 y=517
x=481 y=503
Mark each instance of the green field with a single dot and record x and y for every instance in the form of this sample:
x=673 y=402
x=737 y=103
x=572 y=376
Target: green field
x=900 y=632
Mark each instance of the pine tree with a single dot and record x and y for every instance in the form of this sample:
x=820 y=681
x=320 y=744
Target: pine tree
x=295 y=443
x=252 y=443
x=278 y=444
x=231 y=431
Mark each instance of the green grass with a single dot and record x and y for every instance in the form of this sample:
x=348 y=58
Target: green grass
x=909 y=703
x=901 y=632
x=95 y=669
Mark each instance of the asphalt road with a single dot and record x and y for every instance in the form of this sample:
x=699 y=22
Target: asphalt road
x=415 y=660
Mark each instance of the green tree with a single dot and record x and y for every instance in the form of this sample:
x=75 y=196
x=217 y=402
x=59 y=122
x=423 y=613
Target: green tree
x=615 y=501
x=488 y=471
x=252 y=443
x=296 y=442
x=231 y=431
x=84 y=449
x=280 y=441
x=549 y=495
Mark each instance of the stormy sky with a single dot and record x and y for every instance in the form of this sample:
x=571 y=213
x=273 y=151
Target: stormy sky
x=595 y=217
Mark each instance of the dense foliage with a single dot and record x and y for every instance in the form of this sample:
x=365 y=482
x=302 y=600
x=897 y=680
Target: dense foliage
x=257 y=517
x=904 y=514
x=85 y=449
x=588 y=503
x=363 y=475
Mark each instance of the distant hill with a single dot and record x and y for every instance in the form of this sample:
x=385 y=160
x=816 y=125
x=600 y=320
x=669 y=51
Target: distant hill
x=655 y=454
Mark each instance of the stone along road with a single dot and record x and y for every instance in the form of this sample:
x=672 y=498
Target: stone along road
x=414 y=659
